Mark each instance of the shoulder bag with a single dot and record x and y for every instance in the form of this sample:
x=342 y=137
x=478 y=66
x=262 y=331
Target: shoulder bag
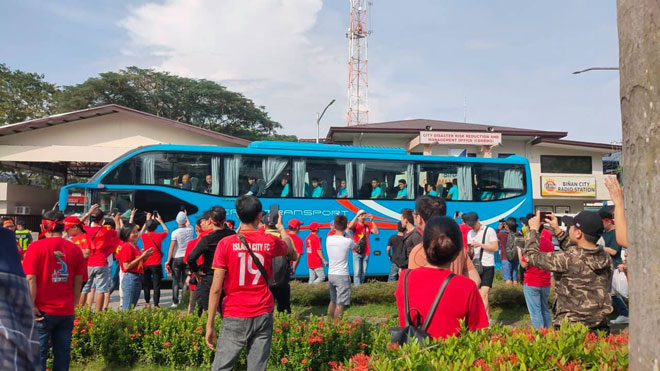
x=477 y=261
x=281 y=272
x=401 y=335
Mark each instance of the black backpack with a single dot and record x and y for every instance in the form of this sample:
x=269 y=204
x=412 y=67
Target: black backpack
x=513 y=242
x=361 y=246
x=401 y=335
x=281 y=270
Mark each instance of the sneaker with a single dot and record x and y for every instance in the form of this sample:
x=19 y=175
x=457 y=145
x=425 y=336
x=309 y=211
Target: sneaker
x=620 y=320
x=173 y=305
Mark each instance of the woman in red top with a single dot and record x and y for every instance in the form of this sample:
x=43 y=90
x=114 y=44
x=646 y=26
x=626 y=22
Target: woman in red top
x=442 y=242
x=131 y=261
x=537 y=285
x=153 y=265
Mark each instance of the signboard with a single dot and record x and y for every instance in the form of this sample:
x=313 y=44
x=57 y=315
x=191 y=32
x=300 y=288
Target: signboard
x=459 y=137
x=568 y=186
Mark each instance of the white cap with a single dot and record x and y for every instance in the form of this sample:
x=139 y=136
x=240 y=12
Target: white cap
x=361 y=212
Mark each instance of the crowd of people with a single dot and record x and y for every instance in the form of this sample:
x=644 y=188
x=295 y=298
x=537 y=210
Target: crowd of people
x=445 y=267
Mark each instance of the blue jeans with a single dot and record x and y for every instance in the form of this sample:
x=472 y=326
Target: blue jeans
x=131 y=285
x=394 y=273
x=509 y=270
x=56 y=330
x=316 y=275
x=359 y=268
x=537 y=305
x=619 y=305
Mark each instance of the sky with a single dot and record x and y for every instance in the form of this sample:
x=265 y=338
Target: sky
x=505 y=63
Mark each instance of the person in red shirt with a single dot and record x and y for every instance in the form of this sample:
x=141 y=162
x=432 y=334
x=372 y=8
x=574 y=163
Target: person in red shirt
x=153 y=265
x=294 y=228
x=54 y=268
x=536 y=285
x=103 y=242
x=315 y=259
x=202 y=228
x=459 y=301
x=75 y=232
x=131 y=261
x=360 y=229
x=248 y=305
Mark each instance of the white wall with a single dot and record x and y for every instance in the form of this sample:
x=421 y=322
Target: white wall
x=37 y=198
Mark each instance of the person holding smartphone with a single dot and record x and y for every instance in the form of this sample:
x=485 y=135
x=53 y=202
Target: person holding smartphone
x=361 y=230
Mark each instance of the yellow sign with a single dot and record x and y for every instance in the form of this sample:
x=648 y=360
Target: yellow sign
x=568 y=186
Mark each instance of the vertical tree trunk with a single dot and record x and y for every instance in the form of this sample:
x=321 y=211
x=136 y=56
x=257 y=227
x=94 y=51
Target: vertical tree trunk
x=639 y=62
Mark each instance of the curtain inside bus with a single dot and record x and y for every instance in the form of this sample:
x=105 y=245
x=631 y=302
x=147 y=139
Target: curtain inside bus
x=299 y=172
x=215 y=175
x=272 y=167
x=410 y=180
x=361 y=168
x=230 y=181
x=148 y=172
x=513 y=179
x=349 y=179
x=465 y=182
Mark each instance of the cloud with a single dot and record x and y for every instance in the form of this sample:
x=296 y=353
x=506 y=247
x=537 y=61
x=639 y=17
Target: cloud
x=264 y=49
x=481 y=45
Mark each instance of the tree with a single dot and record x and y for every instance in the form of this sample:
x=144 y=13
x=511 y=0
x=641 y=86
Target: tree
x=201 y=103
x=23 y=95
x=639 y=70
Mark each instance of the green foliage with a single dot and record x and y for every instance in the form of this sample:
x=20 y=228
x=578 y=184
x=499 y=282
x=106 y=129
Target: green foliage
x=498 y=348
x=23 y=95
x=200 y=103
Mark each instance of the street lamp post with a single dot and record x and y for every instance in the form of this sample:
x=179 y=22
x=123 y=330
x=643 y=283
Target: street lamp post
x=597 y=69
x=319 y=117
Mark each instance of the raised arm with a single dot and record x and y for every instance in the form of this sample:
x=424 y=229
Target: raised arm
x=291 y=250
x=554 y=262
x=89 y=212
x=616 y=194
x=374 y=227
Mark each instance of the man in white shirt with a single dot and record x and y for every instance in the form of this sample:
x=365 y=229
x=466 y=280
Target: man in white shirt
x=482 y=239
x=175 y=264
x=337 y=247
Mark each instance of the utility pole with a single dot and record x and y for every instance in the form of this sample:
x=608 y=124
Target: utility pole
x=639 y=71
x=319 y=117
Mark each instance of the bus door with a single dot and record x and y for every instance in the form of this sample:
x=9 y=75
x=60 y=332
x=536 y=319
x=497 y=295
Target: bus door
x=111 y=202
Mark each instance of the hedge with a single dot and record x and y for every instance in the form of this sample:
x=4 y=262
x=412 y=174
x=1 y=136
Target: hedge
x=167 y=338
x=375 y=292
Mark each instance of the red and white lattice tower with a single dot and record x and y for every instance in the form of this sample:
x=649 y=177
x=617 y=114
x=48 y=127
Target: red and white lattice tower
x=358 y=78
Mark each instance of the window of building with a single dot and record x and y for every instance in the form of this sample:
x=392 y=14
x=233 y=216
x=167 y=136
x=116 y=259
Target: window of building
x=471 y=155
x=261 y=176
x=381 y=180
x=566 y=164
x=323 y=178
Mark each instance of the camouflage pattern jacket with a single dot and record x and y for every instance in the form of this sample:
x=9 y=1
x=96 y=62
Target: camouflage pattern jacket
x=583 y=280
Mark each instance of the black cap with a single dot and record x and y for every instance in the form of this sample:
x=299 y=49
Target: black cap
x=470 y=218
x=567 y=220
x=589 y=222
x=605 y=214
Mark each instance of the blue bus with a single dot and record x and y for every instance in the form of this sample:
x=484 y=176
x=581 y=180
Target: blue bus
x=311 y=182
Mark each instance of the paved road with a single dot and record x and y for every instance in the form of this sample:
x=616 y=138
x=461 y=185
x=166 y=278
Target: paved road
x=165 y=299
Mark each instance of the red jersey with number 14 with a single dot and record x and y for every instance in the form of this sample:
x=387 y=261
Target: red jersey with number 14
x=247 y=293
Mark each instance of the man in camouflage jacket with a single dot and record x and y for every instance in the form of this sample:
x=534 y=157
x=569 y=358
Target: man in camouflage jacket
x=582 y=270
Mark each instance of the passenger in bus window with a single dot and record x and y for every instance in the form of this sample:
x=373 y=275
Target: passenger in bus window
x=254 y=187
x=342 y=192
x=317 y=190
x=184 y=183
x=488 y=194
x=209 y=184
x=285 y=187
x=453 y=191
x=403 y=190
x=376 y=191
x=430 y=190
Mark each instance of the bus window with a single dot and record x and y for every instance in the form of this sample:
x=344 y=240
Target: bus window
x=497 y=182
x=385 y=180
x=188 y=171
x=323 y=178
x=447 y=180
x=256 y=175
x=111 y=201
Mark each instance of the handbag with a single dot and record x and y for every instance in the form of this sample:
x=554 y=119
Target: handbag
x=401 y=335
x=477 y=261
x=281 y=271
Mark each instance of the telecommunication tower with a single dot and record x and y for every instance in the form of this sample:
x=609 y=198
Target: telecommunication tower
x=358 y=78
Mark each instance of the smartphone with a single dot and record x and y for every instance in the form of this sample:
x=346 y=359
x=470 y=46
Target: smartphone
x=544 y=214
x=115 y=211
x=274 y=213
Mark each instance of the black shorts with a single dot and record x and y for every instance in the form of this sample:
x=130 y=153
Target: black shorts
x=487 y=277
